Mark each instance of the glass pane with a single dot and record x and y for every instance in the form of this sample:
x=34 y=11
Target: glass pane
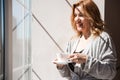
x=21 y=40
x=1 y=39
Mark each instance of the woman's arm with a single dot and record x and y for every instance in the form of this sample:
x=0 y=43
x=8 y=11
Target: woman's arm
x=64 y=71
x=103 y=67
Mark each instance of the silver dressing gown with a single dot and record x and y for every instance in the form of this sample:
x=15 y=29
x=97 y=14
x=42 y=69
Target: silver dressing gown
x=101 y=62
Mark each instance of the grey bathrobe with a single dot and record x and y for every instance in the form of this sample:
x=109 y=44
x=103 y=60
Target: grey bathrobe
x=101 y=62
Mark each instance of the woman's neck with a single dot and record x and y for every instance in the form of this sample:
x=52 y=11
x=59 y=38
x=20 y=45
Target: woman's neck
x=87 y=35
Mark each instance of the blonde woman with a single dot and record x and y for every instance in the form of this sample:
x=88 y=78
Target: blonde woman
x=91 y=51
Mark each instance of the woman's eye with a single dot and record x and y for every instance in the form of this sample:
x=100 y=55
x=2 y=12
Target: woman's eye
x=80 y=15
x=75 y=15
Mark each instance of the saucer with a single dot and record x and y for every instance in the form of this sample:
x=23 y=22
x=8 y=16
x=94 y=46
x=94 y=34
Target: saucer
x=63 y=62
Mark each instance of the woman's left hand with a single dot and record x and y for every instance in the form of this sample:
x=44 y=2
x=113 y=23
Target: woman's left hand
x=78 y=58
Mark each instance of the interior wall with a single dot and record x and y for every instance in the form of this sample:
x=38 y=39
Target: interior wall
x=112 y=20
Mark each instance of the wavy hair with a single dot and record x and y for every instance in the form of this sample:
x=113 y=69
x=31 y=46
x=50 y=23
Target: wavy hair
x=92 y=12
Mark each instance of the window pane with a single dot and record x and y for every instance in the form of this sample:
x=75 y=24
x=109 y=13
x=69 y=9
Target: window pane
x=21 y=40
x=1 y=39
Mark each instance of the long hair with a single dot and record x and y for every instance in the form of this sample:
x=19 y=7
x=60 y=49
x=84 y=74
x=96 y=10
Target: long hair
x=92 y=12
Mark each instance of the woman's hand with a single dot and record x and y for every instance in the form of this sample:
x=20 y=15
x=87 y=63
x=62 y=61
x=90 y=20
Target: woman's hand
x=59 y=66
x=78 y=58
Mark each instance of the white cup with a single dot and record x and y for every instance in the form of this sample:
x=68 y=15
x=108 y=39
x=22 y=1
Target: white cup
x=63 y=57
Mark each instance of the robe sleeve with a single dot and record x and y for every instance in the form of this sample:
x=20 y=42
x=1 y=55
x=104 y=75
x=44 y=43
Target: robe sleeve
x=65 y=72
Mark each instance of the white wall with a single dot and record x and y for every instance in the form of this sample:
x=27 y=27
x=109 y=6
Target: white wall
x=55 y=17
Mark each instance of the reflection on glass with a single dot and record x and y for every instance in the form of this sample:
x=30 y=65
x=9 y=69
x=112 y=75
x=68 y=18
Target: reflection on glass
x=1 y=39
x=21 y=40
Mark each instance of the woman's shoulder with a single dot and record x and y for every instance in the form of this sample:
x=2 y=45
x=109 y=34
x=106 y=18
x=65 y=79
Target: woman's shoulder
x=105 y=35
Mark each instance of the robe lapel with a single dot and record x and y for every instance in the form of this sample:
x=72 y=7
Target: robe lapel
x=75 y=45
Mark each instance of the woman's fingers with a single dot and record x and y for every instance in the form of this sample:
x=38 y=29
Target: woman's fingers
x=73 y=57
x=77 y=58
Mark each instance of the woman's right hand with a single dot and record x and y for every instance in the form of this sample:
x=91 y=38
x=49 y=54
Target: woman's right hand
x=59 y=66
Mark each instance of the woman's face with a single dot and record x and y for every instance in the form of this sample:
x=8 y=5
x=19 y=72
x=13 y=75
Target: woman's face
x=81 y=21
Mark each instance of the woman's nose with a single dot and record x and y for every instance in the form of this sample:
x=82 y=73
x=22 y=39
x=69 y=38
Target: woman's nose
x=77 y=18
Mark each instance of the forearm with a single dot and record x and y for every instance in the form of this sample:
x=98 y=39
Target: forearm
x=64 y=71
x=100 y=69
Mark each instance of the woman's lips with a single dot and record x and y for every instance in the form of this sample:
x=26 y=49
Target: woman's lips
x=79 y=25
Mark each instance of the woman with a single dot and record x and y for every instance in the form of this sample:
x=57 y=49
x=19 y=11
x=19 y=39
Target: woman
x=92 y=51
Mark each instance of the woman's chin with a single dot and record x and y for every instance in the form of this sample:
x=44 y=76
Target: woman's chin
x=79 y=29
